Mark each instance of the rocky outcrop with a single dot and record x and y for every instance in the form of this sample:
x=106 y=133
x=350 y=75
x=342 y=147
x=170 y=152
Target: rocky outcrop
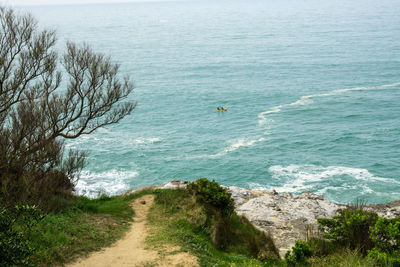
x=387 y=210
x=285 y=216
x=288 y=217
x=174 y=184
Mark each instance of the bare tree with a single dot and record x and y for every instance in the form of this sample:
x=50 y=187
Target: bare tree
x=37 y=113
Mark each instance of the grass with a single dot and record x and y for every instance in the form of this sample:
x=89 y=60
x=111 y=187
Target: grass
x=88 y=225
x=176 y=218
x=60 y=238
x=345 y=258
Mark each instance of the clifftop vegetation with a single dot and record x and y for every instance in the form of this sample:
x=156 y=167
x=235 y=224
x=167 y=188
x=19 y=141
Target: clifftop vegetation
x=46 y=98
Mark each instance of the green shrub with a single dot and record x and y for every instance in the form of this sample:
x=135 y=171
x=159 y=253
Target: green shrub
x=386 y=234
x=213 y=195
x=360 y=232
x=300 y=252
x=351 y=228
x=15 y=249
x=228 y=231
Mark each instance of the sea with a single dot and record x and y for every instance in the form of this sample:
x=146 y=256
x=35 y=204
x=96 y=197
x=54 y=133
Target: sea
x=312 y=89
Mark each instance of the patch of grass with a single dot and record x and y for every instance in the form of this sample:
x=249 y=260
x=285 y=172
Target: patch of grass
x=177 y=218
x=118 y=206
x=59 y=238
x=114 y=206
x=88 y=225
x=345 y=258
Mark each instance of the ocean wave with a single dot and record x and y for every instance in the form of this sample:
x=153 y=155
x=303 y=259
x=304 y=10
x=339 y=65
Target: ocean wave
x=308 y=99
x=149 y=140
x=233 y=145
x=236 y=144
x=242 y=142
x=111 y=182
x=299 y=178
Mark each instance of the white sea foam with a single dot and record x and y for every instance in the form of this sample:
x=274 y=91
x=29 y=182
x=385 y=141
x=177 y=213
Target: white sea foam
x=298 y=178
x=308 y=99
x=149 y=140
x=390 y=85
x=236 y=144
x=232 y=146
x=110 y=182
x=242 y=142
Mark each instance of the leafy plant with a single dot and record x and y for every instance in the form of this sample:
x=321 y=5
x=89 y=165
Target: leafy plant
x=386 y=234
x=300 y=252
x=219 y=208
x=365 y=231
x=15 y=249
x=213 y=195
x=351 y=228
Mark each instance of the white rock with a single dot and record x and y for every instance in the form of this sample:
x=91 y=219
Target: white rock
x=174 y=184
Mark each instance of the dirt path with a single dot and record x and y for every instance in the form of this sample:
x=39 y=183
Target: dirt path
x=130 y=250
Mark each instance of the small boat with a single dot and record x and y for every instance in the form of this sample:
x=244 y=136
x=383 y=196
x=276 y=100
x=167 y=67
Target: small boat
x=221 y=109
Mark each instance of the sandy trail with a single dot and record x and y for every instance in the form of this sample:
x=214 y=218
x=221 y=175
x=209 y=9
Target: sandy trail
x=130 y=250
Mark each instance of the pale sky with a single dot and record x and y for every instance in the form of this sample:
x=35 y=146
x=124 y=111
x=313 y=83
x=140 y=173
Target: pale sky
x=62 y=2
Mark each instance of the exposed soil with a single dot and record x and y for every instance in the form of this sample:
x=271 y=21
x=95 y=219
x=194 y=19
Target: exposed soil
x=131 y=249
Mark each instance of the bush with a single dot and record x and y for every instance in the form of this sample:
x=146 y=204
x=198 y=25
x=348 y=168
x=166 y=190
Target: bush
x=351 y=228
x=300 y=252
x=386 y=234
x=213 y=195
x=228 y=231
x=15 y=249
x=362 y=231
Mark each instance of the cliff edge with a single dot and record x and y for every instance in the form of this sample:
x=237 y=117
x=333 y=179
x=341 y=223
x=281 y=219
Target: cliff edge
x=288 y=217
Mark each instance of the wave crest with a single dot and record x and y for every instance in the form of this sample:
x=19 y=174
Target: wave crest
x=307 y=100
x=351 y=182
x=111 y=182
x=150 y=140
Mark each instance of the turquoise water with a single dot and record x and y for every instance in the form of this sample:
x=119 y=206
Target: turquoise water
x=312 y=87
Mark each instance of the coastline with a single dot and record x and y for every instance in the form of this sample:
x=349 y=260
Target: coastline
x=288 y=217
